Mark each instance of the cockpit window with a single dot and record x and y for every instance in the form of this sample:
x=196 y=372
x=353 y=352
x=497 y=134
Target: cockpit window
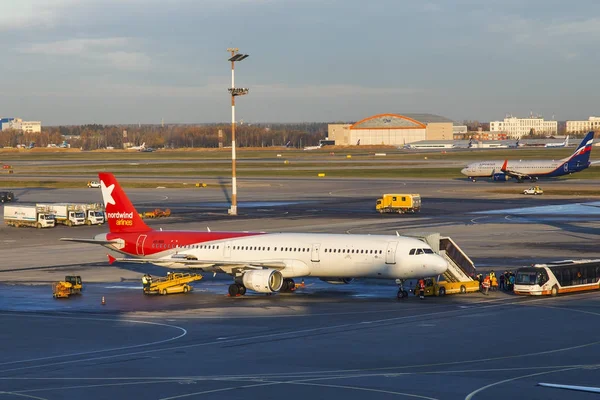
x=412 y=252
x=428 y=251
x=420 y=251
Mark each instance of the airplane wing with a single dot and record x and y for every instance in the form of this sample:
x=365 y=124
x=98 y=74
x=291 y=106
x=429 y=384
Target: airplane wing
x=184 y=261
x=512 y=173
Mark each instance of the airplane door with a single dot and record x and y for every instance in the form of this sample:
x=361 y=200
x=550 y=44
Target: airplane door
x=390 y=253
x=227 y=249
x=140 y=244
x=314 y=255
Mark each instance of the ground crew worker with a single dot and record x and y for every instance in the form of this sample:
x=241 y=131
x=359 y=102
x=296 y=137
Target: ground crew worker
x=145 y=281
x=421 y=289
x=169 y=276
x=486 y=285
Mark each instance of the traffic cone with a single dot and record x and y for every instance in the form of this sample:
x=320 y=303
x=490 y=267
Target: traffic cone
x=103 y=302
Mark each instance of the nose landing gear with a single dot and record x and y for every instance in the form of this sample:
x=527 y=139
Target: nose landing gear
x=402 y=294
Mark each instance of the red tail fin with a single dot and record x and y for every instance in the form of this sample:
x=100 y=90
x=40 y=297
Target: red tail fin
x=503 y=169
x=120 y=213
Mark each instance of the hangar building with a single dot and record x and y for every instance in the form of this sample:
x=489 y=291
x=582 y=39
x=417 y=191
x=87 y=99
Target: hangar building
x=392 y=129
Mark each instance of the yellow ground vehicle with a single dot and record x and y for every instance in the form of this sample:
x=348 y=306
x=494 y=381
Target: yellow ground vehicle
x=172 y=283
x=535 y=190
x=399 y=203
x=71 y=285
x=156 y=213
x=433 y=287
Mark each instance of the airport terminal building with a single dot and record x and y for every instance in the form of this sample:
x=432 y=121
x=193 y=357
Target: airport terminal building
x=392 y=129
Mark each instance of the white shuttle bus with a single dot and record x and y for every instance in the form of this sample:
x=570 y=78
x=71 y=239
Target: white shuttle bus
x=558 y=277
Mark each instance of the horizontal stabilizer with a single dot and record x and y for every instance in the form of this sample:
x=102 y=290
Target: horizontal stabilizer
x=90 y=241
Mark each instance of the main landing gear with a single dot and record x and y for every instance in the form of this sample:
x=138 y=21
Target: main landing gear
x=237 y=289
x=402 y=294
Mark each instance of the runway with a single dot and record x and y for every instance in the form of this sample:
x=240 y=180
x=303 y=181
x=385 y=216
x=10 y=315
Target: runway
x=351 y=341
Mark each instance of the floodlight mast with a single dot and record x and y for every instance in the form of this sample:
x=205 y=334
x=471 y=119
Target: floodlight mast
x=235 y=56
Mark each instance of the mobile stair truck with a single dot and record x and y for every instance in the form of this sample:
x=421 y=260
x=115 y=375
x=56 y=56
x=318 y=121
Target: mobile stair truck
x=28 y=215
x=458 y=278
x=66 y=213
x=172 y=283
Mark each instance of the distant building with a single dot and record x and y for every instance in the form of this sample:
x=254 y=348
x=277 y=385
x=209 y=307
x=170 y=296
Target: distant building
x=20 y=125
x=392 y=129
x=592 y=124
x=519 y=127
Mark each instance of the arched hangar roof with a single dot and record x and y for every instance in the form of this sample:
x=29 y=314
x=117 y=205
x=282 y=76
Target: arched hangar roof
x=397 y=121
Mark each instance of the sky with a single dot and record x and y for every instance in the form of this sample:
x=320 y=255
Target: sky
x=144 y=61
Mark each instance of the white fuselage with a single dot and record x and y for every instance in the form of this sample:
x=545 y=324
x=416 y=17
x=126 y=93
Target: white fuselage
x=305 y=254
x=525 y=167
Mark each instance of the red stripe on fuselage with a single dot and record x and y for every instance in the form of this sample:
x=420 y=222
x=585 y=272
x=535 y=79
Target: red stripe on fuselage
x=165 y=240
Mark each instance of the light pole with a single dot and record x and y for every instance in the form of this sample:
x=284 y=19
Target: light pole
x=235 y=56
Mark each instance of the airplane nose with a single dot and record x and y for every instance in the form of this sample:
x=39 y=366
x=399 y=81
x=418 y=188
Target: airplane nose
x=440 y=265
x=464 y=171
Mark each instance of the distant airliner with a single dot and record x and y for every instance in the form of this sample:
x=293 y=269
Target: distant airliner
x=533 y=169
x=141 y=147
x=563 y=144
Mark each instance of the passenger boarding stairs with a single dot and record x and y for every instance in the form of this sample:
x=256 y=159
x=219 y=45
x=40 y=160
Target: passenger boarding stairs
x=460 y=266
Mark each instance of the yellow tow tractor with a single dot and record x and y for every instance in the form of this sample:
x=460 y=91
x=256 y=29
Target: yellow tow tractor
x=71 y=285
x=172 y=283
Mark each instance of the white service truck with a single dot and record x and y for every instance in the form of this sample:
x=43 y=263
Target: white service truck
x=66 y=213
x=28 y=215
x=94 y=213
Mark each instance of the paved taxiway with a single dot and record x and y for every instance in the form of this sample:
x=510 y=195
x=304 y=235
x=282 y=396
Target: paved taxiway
x=320 y=342
x=351 y=341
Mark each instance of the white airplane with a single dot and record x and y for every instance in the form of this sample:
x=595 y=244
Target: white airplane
x=562 y=144
x=260 y=261
x=502 y=170
x=141 y=147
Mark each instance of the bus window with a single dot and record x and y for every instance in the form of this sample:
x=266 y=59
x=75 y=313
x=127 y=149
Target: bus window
x=542 y=277
x=526 y=277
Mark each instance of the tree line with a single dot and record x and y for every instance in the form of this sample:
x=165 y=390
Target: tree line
x=95 y=136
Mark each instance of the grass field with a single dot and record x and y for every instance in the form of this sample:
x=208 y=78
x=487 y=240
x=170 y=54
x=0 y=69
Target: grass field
x=39 y=168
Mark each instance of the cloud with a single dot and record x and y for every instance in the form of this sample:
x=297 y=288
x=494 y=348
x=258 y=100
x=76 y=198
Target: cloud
x=219 y=89
x=550 y=33
x=74 y=46
x=26 y=14
x=107 y=51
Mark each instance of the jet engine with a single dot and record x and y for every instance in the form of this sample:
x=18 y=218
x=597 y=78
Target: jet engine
x=263 y=280
x=500 y=176
x=337 y=281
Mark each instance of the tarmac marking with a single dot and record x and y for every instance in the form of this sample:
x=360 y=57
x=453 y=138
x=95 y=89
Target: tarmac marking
x=470 y=395
x=184 y=332
x=270 y=336
x=23 y=395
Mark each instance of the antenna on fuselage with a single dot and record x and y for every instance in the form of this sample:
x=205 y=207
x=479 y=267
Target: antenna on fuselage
x=397 y=234
x=208 y=229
